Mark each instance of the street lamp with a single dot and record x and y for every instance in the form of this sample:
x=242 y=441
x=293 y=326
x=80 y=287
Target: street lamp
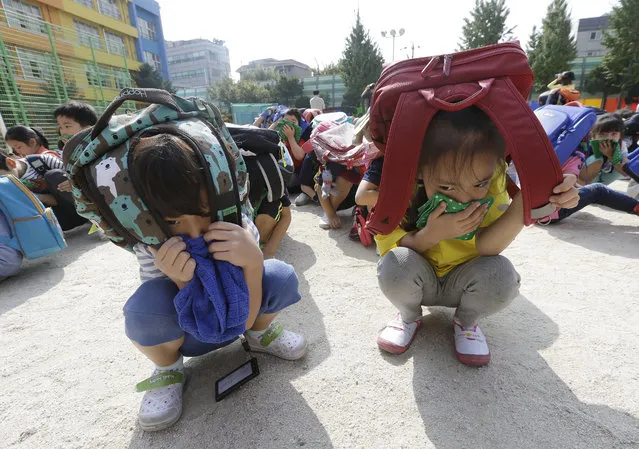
x=393 y=33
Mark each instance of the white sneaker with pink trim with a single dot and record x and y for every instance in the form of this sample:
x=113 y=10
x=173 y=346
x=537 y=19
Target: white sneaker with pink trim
x=470 y=345
x=397 y=336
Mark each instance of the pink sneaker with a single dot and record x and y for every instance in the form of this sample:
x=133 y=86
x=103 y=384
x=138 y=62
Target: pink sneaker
x=470 y=345
x=397 y=336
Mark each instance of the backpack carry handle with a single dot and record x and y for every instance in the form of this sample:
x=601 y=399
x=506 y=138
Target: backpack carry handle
x=430 y=96
x=151 y=96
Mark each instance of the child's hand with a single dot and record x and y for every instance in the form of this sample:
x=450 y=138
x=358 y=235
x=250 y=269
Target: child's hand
x=566 y=196
x=442 y=226
x=289 y=132
x=233 y=244
x=607 y=148
x=172 y=260
x=64 y=186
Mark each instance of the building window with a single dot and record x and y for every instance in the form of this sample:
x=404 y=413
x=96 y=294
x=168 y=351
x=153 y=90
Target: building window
x=115 y=43
x=104 y=77
x=122 y=79
x=153 y=60
x=25 y=16
x=147 y=29
x=109 y=8
x=35 y=66
x=88 y=35
x=596 y=36
x=87 y=3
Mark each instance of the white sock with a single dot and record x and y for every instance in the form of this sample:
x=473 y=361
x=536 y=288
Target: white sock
x=178 y=365
x=257 y=334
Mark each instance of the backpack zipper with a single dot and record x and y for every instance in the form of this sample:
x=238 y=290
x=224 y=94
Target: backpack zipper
x=448 y=61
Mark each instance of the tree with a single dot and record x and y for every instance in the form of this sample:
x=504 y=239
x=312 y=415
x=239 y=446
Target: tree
x=148 y=77
x=261 y=74
x=600 y=80
x=622 y=42
x=532 y=47
x=223 y=90
x=287 y=89
x=486 y=25
x=329 y=69
x=555 y=48
x=361 y=62
x=227 y=92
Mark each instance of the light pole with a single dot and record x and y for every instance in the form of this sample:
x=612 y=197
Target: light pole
x=393 y=33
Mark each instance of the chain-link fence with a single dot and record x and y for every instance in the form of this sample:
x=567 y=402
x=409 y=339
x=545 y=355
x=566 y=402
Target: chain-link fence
x=43 y=65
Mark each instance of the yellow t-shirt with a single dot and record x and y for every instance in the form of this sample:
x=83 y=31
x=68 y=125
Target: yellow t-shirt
x=447 y=254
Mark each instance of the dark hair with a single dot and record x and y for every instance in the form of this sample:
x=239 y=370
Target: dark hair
x=608 y=123
x=296 y=113
x=3 y=161
x=316 y=92
x=24 y=134
x=169 y=175
x=464 y=135
x=82 y=113
x=625 y=113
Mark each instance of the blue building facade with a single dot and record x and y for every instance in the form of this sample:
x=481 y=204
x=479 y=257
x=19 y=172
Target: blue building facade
x=150 y=48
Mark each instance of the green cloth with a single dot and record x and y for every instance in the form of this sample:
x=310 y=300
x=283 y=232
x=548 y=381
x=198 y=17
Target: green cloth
x=617 y=157
x=280 y=131
x=452 y=207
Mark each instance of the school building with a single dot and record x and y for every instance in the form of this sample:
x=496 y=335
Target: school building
x=53 y=51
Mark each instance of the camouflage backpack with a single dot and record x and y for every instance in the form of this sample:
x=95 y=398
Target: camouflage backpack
x=99 y=162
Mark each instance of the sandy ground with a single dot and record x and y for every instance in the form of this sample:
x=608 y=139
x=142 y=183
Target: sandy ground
x=564 y=373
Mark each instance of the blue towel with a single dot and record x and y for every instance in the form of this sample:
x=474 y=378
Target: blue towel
x=214 y=306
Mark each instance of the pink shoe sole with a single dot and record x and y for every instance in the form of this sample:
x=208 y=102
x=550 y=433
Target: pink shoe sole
x=392 y=347
x=473 y=360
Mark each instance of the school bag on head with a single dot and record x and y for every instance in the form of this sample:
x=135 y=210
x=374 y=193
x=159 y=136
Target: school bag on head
x=34 y=228
x=99 y=163
x=497 y=79
x=566 y=126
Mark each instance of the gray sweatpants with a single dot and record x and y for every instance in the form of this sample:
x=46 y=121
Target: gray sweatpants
x=477 y=288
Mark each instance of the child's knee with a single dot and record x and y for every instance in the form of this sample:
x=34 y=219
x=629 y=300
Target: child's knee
x=280 y=286
x=397 y=267
x=149 y=315
x=501 y=281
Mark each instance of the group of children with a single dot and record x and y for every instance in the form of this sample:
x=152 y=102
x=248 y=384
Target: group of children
x=39 y=167
x=432 y=259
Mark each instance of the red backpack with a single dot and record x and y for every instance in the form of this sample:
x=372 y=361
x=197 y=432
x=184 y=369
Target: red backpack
x=497 y=79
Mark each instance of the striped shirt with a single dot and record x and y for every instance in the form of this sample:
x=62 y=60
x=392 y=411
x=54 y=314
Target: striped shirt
x=32 y=178
x=149 y=271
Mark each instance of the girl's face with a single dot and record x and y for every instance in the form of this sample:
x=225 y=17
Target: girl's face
x=469 y=184
x=193 y=226
x=24 y=149
x=615 y=135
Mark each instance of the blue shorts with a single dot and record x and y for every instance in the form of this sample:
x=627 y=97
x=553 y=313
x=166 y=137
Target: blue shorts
x=150 y=317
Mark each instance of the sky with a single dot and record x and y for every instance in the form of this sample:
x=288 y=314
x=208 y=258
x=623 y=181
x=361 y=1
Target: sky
x=314 y=33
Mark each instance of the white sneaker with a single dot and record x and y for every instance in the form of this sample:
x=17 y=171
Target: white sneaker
x=323 y=223
x=470 y=345
x=279 y=342
x=302 y=199
x=162 y=403
x=397 y=336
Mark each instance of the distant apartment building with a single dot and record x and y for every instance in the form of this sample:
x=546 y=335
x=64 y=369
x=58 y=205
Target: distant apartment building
x=288 y=67
x=149 y=46
x=590 y=49
x=590 y=36
x=196 y=64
